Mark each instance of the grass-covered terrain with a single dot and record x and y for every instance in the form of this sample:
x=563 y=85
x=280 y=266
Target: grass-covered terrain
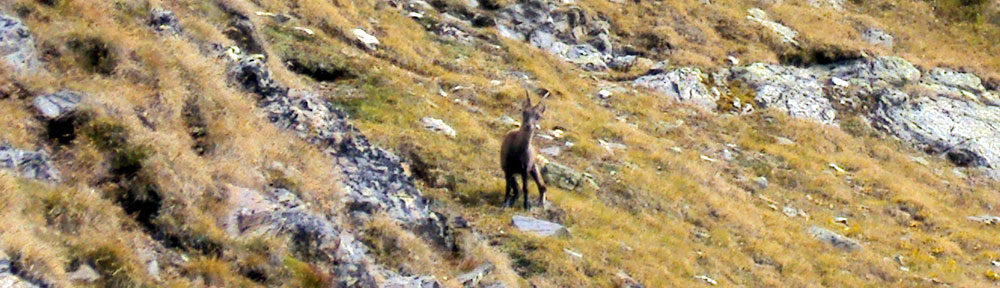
x=166 y=133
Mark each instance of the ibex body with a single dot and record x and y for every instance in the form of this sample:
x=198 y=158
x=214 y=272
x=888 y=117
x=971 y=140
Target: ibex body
x=517 y=156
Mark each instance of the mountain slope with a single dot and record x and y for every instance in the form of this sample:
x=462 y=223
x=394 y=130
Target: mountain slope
x=292 y=143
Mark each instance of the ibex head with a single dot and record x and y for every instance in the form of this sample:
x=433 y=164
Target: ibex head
x=531 y=114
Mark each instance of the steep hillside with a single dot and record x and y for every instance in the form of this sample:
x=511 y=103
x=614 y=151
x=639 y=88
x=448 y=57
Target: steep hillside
x=345 y=143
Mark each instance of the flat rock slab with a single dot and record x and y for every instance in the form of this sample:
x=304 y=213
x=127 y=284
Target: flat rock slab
x=835 y=239
x=538 y=227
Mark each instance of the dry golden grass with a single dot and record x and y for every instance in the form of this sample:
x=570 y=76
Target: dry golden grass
x=661 y=217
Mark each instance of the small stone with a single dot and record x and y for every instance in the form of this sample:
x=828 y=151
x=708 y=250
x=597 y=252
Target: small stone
x=57 y=104
x=761 y=182
x=573 y=254
x=627 y=281
x=84 y=274
x=784 y=141
x=840 y=82
x=538 y=227
x=837 y=240
x=437 y=125
x=367 y=40
x=707 y=279
x=506 y=120
x=307 y=31
x=604 y=94
x=837 y=168
x=985 y=219
x=733 y=61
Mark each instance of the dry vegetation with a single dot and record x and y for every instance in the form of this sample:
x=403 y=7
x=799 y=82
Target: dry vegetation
x=660 y=216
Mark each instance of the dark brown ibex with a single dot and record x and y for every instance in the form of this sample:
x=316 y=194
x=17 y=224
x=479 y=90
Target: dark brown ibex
x=517 y=156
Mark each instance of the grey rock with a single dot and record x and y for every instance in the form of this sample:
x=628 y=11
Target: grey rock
x=567 y=32
x=8 y=278
x=164 y=21
x=837 y=5
x=683 y=84
x=877 y=72
x=58 y=104
x=538 y=227
x=786 y=34
x=411 y=282
x=950 y=81
x=472 y=278
x=761 y=182
x=964 y=131
x=877 y=36
x=85 y=274
x=566 y=178
x=28 y=164
x=17 y=46
x=794 y=90
x=622 y=63
x=366 y=40
x=437 y=125
x=835 y=239
x=985 y=219
x=627 y=281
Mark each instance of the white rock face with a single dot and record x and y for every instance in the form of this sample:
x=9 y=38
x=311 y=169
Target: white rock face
x=794 y=90
x=787 y=34
x=683 y=84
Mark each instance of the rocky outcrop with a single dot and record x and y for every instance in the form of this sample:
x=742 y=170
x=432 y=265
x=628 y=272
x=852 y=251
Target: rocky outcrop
x=797 y=91
x=28 y=164
x=873 y=73
x=966 y=132
x=567 y=32
x=17 y=46
x=375 y=181
x=280 y=212
x=682 y=84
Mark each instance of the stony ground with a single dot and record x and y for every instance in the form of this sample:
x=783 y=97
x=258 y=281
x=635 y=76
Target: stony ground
x=354 y=144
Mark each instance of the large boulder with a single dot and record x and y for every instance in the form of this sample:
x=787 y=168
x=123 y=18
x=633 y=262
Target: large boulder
x=17 y=46
x=28 y=164
x=794 y=90
x=968 y=133
x=682 y=84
